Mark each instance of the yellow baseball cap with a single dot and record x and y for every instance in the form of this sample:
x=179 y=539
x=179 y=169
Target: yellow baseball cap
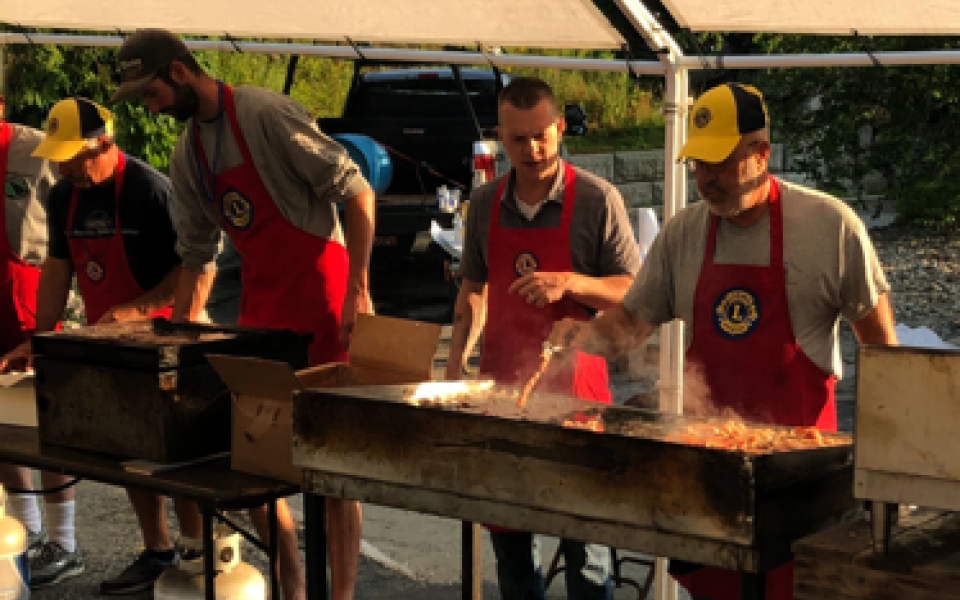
x=719 y=118
x=70 y=125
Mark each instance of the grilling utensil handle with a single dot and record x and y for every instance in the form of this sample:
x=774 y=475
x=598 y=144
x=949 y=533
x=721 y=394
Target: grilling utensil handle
x=545 y=355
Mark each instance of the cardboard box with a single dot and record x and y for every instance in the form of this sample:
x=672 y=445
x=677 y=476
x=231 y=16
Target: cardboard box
x=384 y=351
x=18 y=399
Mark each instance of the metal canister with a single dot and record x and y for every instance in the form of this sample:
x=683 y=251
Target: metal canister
x=14 y=566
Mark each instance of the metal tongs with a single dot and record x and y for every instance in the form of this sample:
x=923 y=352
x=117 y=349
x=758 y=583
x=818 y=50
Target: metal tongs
x=546 y=353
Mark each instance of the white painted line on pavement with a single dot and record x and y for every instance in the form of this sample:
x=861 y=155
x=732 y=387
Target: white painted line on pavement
x=373 y=553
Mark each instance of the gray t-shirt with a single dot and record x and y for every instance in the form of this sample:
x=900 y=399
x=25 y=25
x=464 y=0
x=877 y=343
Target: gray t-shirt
x=305 y=171
x=26 y=184
x=601 y=238
x=831 y=267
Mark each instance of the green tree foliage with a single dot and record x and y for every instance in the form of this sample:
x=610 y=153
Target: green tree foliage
x=621 y=112
x=843 y=125
x=39 y=76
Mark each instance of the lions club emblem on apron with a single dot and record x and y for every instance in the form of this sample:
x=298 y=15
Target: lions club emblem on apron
x=736 y=313
x=94 y=271
x=237 y=210
x=525 y=263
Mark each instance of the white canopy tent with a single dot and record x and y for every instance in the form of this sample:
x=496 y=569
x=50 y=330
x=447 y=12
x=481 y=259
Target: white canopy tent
x=876 y=17
x=577 y=24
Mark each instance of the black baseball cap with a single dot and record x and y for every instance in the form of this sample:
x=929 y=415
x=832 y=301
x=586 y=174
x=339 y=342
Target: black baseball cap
x=142 y=55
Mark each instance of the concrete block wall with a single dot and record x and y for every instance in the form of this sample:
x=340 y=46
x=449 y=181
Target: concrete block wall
x=638 y=174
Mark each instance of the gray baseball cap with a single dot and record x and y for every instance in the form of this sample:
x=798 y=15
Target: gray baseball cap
x=142 y=55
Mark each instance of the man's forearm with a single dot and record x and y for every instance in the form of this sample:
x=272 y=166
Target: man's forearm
x=600 y=293
x=878 y=326
x=193 y=288
x=612 y=334
x=161 y=296
x=469 y=317
x=56 y=276
x=360 y=226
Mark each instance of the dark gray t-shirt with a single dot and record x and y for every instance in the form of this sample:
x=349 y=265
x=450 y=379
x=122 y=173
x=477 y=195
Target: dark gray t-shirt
x=601 y=238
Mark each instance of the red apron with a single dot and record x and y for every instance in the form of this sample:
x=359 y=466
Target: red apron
x=292 y=279
x=515 y=331
x=743 y=344
x=18 y=280
x=103 y=271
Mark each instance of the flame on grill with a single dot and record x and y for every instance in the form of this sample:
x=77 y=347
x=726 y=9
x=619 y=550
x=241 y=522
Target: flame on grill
x=434 y=393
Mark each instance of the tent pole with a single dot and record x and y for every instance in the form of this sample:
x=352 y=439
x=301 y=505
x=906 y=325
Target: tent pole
x=670 y=386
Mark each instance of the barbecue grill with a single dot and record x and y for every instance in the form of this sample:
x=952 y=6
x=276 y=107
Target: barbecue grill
x=144 y=389
x=466 y=451
x=907 y=448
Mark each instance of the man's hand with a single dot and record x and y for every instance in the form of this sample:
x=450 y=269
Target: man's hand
x=541 y=288
x=569 y=334
x=122 y=313
x=18 y=359
x=356 y=302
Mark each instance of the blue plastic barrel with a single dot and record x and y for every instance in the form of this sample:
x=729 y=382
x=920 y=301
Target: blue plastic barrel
x=371 y=157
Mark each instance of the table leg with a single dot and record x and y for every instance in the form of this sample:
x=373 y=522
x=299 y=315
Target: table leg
x=315 y=533
x=273 y=551
x=753 y=586
x=472 y=561
x=209 y=593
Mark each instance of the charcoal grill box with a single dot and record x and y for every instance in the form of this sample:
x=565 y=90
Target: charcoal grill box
x=384 y=350
x=712 y=506
x=144 y=390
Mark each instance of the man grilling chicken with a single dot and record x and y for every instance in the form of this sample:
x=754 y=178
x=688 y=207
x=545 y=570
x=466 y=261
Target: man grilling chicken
x=761 y=272
x=546 y=241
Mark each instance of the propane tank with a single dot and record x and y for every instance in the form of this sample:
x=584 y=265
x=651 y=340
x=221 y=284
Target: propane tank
x=235 y=580
x=14 y=566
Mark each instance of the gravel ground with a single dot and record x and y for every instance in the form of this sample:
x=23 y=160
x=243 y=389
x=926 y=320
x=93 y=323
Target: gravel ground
x=923 y=269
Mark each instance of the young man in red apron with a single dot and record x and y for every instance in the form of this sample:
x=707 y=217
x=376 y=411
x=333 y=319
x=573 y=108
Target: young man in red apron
x=26 y=181
x=110 y=225
x=527 y=272
x=268 y=178
x=743 y=345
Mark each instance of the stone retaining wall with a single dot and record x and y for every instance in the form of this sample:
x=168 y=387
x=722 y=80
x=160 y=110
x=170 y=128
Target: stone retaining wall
x=638 y=174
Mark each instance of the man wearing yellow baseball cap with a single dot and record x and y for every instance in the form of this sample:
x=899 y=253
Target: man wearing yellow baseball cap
x=110 y=223
x=760 y=272
x=73 y=125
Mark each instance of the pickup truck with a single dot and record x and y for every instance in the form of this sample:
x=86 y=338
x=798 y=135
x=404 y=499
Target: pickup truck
x=427 y=119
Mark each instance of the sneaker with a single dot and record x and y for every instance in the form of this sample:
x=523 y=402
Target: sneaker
x=53 y=564
x=138 y=577
x=36 y=540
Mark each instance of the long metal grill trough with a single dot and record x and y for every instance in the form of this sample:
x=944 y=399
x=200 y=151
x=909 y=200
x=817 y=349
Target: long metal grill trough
x=144 y=389
x=473 y=455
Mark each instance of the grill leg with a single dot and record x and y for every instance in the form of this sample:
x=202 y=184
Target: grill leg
x=472 y=561
x=315 y=532
x=209 y=593
x=882 y=517
x=753 y=586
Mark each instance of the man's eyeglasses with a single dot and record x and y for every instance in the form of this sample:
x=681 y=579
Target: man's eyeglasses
x=695 y=164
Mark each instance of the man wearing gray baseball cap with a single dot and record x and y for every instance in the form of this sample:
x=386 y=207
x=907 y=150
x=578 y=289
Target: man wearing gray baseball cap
x=253 y=164
x=145 y=55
